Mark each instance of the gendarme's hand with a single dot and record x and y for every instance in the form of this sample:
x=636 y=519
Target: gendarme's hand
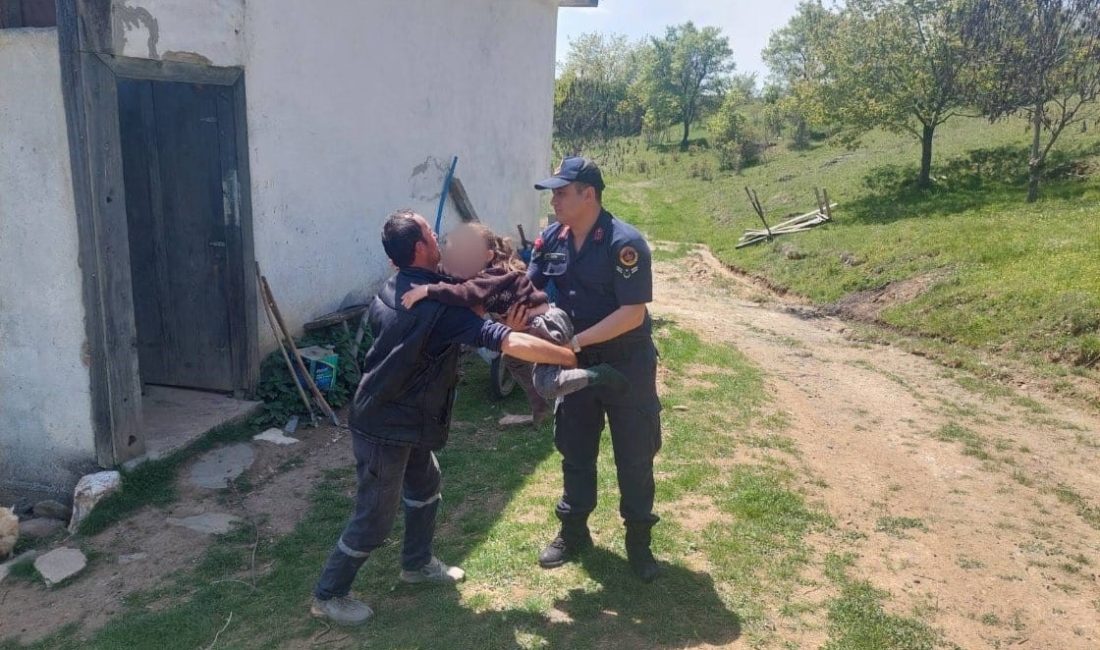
x=516 y=318
x=414 y=295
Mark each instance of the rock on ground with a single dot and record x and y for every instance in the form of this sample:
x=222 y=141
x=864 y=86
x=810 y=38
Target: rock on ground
x=210 y=523
x=52 y=510
x=40 y=528
x=60 y=564
x=90 y=490
x=215 y=469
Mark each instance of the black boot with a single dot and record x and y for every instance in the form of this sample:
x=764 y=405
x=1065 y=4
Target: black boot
x=572 y=540
x=641 y=559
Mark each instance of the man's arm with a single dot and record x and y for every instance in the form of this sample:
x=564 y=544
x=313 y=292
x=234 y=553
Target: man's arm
x=535 y=350
x=618 y=322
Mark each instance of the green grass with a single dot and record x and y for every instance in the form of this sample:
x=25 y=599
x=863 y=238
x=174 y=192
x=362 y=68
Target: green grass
x=1003 y=276
x=896 y=526
x=499 y=491
x=858 y=621
x=973 y=444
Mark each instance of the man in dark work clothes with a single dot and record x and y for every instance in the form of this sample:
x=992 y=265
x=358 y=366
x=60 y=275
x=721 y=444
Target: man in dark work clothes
x=401 y=413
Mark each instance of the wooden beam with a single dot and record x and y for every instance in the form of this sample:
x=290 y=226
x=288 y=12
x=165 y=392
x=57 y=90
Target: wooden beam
x=578 y=3
x=462 y=201
x=95 y=152
x=134 y=68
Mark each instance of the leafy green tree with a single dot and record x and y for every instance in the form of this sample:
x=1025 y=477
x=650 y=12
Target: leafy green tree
x=680 y=70
x=1037 y=58
x=895 y=64
x=593 y=98
x=794 y=59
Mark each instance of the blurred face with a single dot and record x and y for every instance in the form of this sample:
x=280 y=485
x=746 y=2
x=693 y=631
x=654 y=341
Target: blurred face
x=427 y=249
x=465 y=253
x=572 y=202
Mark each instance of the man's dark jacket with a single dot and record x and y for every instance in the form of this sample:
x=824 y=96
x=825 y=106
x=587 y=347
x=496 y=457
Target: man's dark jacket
x=408 y=389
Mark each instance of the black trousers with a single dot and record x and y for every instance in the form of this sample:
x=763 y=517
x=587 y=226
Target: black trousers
x=388 y=476
x=635 y=420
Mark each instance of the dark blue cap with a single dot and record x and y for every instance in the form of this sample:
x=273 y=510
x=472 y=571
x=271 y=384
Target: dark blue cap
x=573 y=170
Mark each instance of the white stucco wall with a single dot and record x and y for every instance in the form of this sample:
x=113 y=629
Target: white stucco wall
x=356 y=108
x=46 y=436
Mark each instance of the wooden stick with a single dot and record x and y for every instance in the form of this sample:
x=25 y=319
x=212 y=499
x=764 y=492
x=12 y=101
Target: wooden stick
x=282 y=348
x=755 y=200
x=317 y=396
x=828 y=207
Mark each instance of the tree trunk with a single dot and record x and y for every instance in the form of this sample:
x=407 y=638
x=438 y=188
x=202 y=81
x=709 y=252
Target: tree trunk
x=925 y=179
x=1034 y=164
x=687 y=132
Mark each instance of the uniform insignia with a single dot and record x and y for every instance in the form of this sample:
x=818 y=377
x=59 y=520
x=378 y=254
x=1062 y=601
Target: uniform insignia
x=628 y=257
x=598 y=235
x=538 y=244
x=626 y=271
x=564 y=233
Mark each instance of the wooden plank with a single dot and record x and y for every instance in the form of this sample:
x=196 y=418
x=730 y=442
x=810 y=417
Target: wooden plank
x=249 y=374
x=176 y=71
x=462 y=201
x=91 y=112
x=38 y=13
x=235 y=263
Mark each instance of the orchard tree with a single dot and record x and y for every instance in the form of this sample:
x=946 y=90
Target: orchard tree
x=898 y=65
x=681 y=69
x=793 y=56
x=1037 y=58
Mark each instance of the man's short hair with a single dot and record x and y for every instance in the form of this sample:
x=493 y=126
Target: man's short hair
x=581 y=185
x=400 y=236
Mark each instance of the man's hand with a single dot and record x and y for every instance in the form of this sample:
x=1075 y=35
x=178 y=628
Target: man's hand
x=516 y=318
x=414 y=295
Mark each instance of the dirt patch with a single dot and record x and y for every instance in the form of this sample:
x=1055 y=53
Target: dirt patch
x=970 y=530
x=867 y=306
x=143 y=551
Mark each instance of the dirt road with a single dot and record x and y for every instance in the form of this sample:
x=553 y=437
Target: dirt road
x=979 y=511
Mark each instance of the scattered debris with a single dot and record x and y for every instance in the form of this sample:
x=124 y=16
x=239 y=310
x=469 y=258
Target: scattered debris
x=215 y=469
x=291 y=424
x=510 y=420
x=800 y=223
x=40 y=528
x=132 y=557
x=60 y=564
x=53 y=510
x=275 y=436
x=90 y=490
x=210 y=523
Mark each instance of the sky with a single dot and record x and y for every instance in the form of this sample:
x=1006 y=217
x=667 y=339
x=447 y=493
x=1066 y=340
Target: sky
x=747 y=23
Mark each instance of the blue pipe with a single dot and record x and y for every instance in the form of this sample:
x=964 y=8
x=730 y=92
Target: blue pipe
x=443 y=195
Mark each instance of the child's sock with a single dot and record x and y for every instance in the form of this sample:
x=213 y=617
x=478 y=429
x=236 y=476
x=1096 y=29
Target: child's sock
x=605 y=375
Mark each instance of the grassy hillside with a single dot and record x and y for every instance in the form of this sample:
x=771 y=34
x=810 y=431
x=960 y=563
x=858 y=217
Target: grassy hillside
x=995 y=273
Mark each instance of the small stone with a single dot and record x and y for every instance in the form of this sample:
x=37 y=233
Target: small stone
x=211 y=523
x=53 y=510
x=90 y=490
x=275 y=436
x=40 y=528
x=217 y=468
x=59 y=565
x=132 y=557
x=515 y=420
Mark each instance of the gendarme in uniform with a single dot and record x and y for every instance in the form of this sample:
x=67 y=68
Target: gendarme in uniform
x=610 y=268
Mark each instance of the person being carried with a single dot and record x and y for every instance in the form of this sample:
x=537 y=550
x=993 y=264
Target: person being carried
x=492 y=280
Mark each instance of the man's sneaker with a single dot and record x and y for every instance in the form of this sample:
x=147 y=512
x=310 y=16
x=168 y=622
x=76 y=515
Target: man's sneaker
x=559 y=551
x=434 y=571
x=343 y=610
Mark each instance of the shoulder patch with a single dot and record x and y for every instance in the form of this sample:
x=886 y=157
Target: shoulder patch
x=628 y=256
